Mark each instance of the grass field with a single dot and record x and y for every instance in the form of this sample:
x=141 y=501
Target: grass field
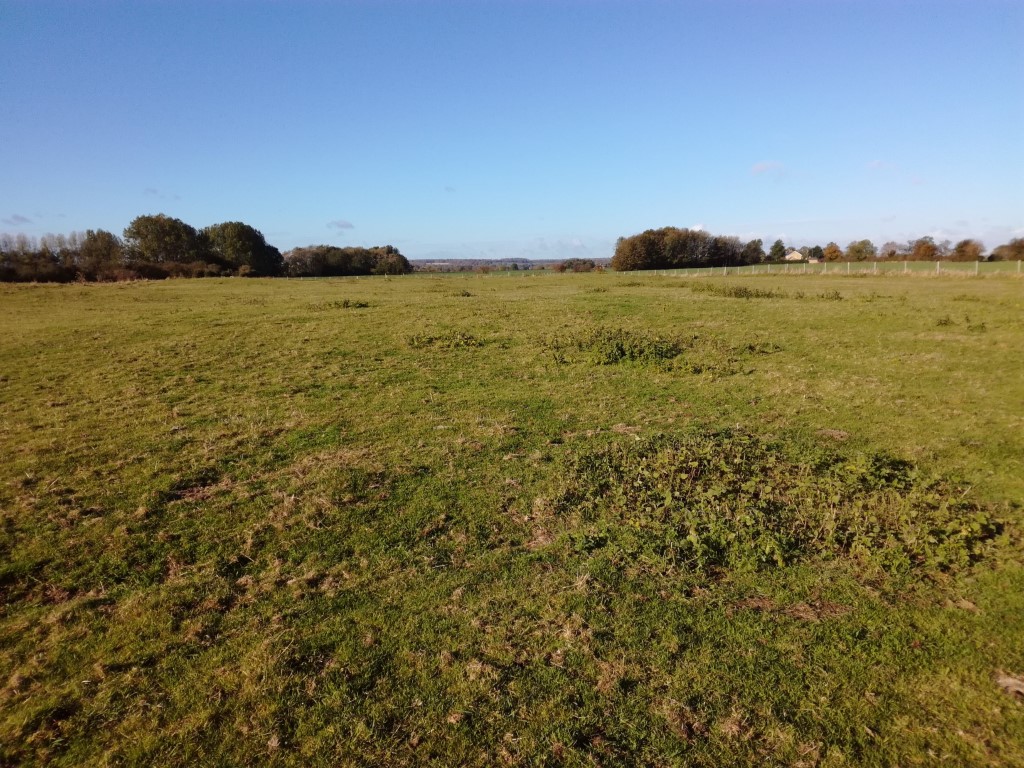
x=526 y=520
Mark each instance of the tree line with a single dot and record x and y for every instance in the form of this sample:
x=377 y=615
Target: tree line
x=160 y=246
x=675 y=248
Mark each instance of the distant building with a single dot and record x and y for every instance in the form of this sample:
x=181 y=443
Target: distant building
x=794 y=256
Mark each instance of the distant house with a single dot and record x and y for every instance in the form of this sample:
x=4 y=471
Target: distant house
x=794 y=256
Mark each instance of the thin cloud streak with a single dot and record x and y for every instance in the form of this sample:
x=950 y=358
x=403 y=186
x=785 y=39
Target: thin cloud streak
x=766 y=166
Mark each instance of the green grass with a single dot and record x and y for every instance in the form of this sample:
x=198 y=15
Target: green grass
x=512 y=519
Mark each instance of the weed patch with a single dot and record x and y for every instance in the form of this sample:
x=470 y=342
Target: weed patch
x=610 y=346
x=731 y=500
x=449 y=340
x=737 y=291
x=613 y=346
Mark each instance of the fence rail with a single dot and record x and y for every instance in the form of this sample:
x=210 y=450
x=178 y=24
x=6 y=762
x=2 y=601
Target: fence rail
x=962 y=268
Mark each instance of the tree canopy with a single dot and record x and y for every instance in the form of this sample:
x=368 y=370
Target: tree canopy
x=243 y=248
x=163 y=239
x=332 y=261
x=832 y=252
x=674 y=248
x=860 y=250
x=1011 y=251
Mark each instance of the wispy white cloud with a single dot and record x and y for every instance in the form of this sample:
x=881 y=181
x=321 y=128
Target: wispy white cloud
x=16 y=220
x=766 y=166
x=340 y=224
x=154 y=192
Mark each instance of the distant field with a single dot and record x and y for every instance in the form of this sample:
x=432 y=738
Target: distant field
x=514 y=519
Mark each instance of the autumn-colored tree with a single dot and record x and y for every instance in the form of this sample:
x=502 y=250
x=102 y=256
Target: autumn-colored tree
x=832 y=252
x=923 y=249
x=967 y=250
x=1011 y=251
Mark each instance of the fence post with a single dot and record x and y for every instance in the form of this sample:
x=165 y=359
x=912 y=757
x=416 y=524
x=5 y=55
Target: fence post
x=905 y=267
x=976 y=268
x=847 y=267
x=937 y=265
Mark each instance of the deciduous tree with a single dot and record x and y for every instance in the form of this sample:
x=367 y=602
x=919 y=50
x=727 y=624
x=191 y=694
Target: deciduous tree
x=923 y=249
x=832 y=252
x=162 y=239
x=967 y=250
x=860 y=250
x=1011 y=251
x=753 y=252
x=237 y=246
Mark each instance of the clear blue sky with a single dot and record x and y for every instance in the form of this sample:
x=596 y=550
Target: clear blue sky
x=497 y=128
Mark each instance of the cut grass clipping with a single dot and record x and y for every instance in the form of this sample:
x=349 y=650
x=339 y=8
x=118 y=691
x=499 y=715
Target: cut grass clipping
x=731 y=500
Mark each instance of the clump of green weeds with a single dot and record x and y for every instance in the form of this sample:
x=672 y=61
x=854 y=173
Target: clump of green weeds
x=448 y=340
x=610 y=346
x=944 y=321
x=831 y=296
x=731 y=500
x=737 y=291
